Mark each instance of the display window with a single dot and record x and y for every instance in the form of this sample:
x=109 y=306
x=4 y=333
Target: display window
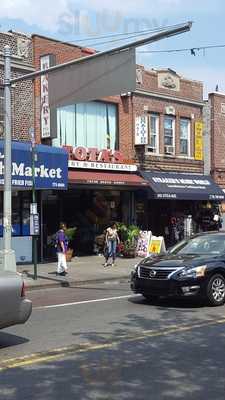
x=20 y=213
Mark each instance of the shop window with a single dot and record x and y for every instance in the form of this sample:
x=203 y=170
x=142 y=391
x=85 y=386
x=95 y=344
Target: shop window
x=92 y=124
x=169 y=135
x=153 y=146
x=184 y=136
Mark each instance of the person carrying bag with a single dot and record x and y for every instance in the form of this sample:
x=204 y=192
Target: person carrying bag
x=111 y=241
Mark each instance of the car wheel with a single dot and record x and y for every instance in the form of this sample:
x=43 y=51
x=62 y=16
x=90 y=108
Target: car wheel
x=149 y=297
x=216 y=290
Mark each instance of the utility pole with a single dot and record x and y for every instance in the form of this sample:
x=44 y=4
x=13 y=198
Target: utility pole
x=7 y=254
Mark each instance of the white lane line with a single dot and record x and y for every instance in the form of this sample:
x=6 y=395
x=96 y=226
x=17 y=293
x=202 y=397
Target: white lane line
x=87 y=301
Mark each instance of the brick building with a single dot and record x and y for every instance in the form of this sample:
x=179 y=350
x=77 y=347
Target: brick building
x=214 y=121
x=157 y=129
x=22 y=92
x=214 y=143
x=171 y=105
x=22 y=110
x=99 y=191
x=64 y=52
x=168 y=137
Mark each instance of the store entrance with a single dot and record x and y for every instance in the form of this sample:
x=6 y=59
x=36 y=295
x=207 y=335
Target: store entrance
x=50 y=224
x=90 y=211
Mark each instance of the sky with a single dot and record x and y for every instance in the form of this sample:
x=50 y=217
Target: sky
x=85 y=22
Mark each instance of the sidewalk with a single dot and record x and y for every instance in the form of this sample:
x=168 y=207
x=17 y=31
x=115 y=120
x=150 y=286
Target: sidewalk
x=81 y=270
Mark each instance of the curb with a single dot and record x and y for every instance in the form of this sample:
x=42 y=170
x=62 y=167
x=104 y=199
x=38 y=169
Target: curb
x=66 y=283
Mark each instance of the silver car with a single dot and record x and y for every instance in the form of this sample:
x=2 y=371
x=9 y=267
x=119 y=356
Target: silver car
x=14 y=307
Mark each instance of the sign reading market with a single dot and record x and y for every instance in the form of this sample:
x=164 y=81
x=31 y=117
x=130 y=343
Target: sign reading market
x=50 y=166
x=93 y=158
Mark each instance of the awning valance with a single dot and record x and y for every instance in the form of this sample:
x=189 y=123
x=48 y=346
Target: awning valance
x=105 y=178
x=178 y=186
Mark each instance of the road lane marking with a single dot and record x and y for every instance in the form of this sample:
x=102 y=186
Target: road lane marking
x=56 y=354
x=88 y=301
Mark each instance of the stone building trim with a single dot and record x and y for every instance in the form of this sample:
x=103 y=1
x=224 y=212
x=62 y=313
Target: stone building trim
x=170 y=98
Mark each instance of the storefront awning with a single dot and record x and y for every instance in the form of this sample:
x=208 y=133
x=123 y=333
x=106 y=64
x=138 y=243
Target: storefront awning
x=168 y=185
x=50 y=166
x=105 y=178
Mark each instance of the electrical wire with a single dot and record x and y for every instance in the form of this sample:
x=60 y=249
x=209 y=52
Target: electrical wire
x=191 y=49
x=130 y=35
x=94 y=37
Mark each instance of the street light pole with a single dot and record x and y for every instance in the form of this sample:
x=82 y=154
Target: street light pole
x=7 y=254
x=34 y=200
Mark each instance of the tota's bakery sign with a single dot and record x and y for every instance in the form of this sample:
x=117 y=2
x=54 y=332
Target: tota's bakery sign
x=93 y=158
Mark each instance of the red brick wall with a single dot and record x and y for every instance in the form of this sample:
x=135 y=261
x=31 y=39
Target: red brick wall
x=189 y=90
x=217 y=138
x=130 y=106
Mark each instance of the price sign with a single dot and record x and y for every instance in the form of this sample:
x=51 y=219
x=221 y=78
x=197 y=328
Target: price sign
x=34 y=224
x=33 y=208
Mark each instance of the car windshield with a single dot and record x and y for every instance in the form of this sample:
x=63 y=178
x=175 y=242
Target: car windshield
x=205 y=244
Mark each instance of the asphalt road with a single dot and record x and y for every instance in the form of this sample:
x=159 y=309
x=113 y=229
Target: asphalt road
x=97 y=342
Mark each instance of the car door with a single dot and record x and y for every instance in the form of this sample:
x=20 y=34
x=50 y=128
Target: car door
x=10 y=298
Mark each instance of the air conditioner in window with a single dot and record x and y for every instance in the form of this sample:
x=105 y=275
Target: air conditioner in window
x=150 y=149
x=169 y=149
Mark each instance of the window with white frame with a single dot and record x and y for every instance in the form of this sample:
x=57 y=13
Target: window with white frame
x=154 y=133
x=185 y=136
x=169 y=135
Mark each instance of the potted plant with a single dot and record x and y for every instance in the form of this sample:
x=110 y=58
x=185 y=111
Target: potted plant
x=129 y=236
x=70 y=234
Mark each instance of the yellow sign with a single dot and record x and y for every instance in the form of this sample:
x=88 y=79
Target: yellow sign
x=155 y=246
x=199 y=140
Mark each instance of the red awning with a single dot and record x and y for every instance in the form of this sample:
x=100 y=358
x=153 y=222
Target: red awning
x=105 y=178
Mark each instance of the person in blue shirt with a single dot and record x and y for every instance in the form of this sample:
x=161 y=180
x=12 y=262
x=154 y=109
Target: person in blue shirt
x=61 y=249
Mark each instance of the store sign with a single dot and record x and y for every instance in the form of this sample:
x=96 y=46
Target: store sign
x=143 y=243
x=182 y=186
x=45 y=109
x=199 y=141
x=156 y=245
x=50 y=169
x=34 y=225
x=92 y=158
x=141 y=130
x=46 y=62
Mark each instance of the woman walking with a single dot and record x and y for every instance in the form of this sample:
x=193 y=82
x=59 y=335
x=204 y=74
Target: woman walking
x=61 y=248
x=111 y=239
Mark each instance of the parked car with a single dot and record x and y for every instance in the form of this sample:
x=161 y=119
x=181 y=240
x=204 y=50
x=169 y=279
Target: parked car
x=192 y=268
x=15 y=308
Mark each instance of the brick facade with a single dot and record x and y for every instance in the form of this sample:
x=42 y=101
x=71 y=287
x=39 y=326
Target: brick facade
x=186 y=101
x=66 y=52
x=217 y=134
x=22 y=98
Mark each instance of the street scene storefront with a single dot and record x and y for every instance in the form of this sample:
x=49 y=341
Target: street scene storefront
x=173 y=199
x=48 y=170
x=101 y=189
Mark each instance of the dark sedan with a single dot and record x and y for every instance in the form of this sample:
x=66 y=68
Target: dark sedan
x=192 y=268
